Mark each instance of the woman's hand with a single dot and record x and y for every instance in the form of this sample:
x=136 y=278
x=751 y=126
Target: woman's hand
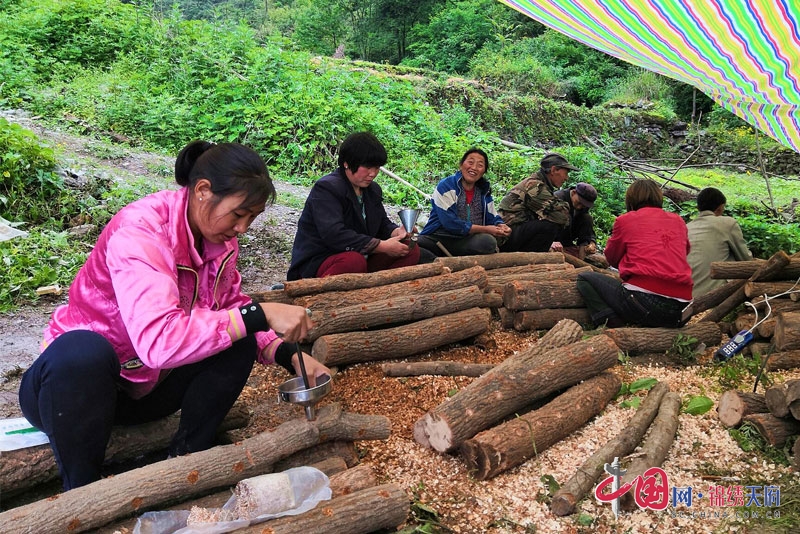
x=393 y=246
x=557 y=246
x=591 y=248
x=314 y=369
x=292 y=323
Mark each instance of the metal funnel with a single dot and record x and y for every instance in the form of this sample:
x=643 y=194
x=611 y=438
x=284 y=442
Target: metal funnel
x=408 y=218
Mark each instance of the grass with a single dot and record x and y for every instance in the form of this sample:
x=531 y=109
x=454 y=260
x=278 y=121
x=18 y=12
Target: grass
x=739 y=187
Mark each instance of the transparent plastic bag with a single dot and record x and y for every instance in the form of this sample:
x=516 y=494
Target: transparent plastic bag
x=309 y=485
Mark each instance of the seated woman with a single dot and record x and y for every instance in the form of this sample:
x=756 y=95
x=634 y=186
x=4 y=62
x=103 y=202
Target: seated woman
x=156 y=320
x=463 y=218
x=649 y=247
x=344 y=227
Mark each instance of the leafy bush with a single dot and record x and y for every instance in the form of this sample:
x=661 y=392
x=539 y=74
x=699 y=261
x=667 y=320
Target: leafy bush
x=29 y=181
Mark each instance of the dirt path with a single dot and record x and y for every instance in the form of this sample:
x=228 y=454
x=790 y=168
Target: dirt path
x=264 y=256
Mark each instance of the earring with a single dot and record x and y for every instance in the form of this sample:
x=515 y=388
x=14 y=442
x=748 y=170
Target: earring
x=201 y=199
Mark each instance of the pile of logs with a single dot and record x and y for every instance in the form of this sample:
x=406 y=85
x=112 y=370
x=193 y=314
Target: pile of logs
x=296 y=442
x=775 y=414
x=774 y=323
x=402 y=312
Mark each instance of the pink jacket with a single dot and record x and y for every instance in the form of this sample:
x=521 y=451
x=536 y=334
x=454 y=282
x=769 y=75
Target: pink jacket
x=649 y=247
x=145 y=288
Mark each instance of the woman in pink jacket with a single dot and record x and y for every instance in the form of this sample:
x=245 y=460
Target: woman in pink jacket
x=648 y=246
x=156 y=320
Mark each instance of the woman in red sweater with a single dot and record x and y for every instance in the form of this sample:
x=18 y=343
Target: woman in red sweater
x=649 y=247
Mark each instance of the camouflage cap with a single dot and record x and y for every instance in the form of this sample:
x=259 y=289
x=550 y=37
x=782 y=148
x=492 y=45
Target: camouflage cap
x=554 y=158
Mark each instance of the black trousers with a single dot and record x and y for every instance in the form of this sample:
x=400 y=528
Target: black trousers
x=532 y=236
x=609 y=301
x=72 y=394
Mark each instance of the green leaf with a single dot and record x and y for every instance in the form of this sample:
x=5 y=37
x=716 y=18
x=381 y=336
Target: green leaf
x=642 y=384
x=552 y=484
x=452 y=392
x=585 y=520
x=631 y=403
x=698 y=405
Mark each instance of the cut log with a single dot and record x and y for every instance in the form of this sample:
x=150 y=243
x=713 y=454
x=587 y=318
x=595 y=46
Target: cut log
x=770 y=270
x=652 y=340
x=506 y=317
x=332 y=467
x=766 y=329
x=401 y=341
x=776 y=401
x=537 y=295
x=734 y=406
x=726 y=306
x=80 y=509
x=508 y=445
x=655 y=447
x=485 y=341
x=775 y=430
x=762 y=348
x=492 y=299
x=758 y=289
x=511 y=385
x=789 y=359
x=793 y=397
x=716 y=296
x=580 y=263
x=344 y=450
x=585 y=478
x=24 y=469
x=530 y=268
x=544 y=319
x=439 y=368
x=562 y=274
x=369 y=510
x=727 y=270
x=348 y=282
x=274 y=295
x=400 y=309
x=745 y=321
x=500 y=260
x=334 y=300
x=796 y=453
x=353 y=480
x=787 y=332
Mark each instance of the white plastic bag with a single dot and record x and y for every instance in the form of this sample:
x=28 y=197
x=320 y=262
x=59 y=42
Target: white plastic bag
x=310 y=486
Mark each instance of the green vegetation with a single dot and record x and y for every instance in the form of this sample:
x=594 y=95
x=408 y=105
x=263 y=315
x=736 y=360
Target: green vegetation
x=147 y=73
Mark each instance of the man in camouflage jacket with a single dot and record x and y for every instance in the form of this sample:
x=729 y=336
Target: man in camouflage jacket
x=536 y=216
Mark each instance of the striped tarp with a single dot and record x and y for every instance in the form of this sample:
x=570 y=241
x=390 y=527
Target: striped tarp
x=745 y=54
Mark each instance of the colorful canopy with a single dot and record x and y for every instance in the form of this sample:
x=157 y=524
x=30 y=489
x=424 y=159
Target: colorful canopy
x=745 y=54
